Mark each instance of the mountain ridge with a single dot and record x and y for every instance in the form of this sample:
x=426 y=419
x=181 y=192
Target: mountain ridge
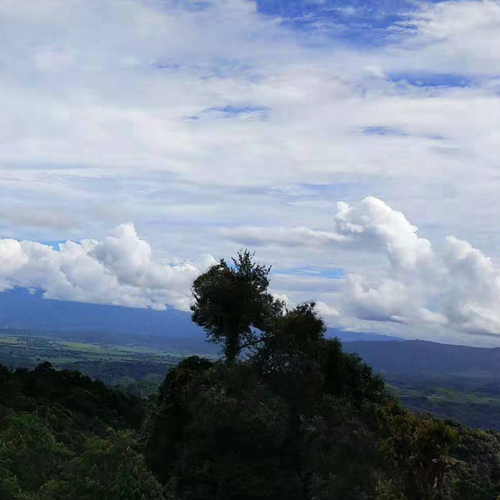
x=431 y=358
x=20 y=309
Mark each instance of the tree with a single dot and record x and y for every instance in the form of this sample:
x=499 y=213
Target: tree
x=296 y=418
x=10 y=488
x=339 y=452
x=165 y=428
x=294 y=337
x=279 y=423
x=28 y=450
x=222 y=434
x=289 y=356
x=108 y=469
x=420 y=447
x=232 y=303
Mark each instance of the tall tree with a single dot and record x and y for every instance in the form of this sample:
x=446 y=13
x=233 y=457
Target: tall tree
x=420 y=447
x=232 y=303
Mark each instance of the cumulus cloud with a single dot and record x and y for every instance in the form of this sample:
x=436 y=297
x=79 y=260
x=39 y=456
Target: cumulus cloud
x=120 y=270
x=372 y=224
x=454 y=286
x=327 y=311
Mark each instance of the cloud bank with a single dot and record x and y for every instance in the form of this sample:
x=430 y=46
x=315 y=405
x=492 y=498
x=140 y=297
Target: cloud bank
x=450 y=287
x=454 y=285
x=120 y=270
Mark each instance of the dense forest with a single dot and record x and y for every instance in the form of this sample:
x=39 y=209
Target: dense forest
x=285 y=413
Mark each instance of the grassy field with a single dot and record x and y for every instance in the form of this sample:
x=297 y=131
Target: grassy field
x=124 y=365
x=19 y=348
x=442 y=394
x=474 y=402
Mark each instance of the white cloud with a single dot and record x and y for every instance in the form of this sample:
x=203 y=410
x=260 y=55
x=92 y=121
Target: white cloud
x=454 y=286
x=326 y=311
x=295 y=237
x=120 y=270
x=372 y=224
x=458 y=36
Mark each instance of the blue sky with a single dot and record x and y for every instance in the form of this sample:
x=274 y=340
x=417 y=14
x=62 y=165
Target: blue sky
x=355 y=23
x=205 y=126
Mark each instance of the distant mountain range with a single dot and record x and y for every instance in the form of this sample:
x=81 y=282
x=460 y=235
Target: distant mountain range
x=19 y=309
x=449 y=381
x=174 y=329
x=348 y=336
x=429 y=358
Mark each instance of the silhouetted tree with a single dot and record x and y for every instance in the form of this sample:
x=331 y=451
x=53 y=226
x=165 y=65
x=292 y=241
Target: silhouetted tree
x=282 y=422
x=232 y=303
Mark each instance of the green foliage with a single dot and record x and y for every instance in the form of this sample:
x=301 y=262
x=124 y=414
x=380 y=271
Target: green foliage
x=109 y=469
x=10 y=489
x=227 y=433
x=246 y=425
x=30 y=449
x=389 y=490
x=339 y=451
x=291 y=341
x=477 y=475
x=57 y=439
x=172 y=415
x=420 y=447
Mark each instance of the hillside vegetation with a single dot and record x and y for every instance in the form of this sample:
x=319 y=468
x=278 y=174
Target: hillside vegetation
x=448 y=381
x=285 y=414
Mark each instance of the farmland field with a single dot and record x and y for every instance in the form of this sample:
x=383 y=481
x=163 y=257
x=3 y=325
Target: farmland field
x=122 y=364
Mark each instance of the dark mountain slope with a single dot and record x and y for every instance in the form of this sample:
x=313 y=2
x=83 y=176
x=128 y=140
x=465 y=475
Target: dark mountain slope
x=20 y=309
x=448 y=381
x=418 y=356
x=347 y=336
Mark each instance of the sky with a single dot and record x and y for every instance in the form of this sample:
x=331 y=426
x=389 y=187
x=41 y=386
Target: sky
x=352 y=144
